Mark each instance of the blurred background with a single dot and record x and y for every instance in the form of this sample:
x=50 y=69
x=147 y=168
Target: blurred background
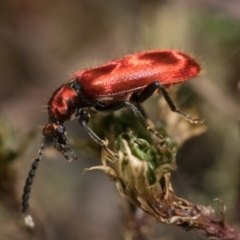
x=42 y=43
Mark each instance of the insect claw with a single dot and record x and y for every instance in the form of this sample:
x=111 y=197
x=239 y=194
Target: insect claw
x=197 y=120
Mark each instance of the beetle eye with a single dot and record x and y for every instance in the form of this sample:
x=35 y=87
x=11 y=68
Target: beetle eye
x=60 y=130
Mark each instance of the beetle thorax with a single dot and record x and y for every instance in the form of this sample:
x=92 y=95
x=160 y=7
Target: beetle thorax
x=63 y=103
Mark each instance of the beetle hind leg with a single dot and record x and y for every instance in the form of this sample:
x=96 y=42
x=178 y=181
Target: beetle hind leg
x=151 y=88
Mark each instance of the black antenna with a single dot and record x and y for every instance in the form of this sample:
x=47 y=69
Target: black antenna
x=27 y=188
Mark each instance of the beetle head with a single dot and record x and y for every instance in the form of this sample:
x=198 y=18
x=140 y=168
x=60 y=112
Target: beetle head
x=56 y=134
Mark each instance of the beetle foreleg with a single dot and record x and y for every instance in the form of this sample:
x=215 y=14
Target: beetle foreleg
x=83 y=121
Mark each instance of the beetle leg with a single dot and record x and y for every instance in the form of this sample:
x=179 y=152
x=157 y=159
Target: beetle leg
x=83 y=121
x=147 y=92
x=122 y=104
x=152 y=87
x=135 y=99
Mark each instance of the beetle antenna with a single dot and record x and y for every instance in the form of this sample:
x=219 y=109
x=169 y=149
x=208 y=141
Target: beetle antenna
x=27 y=188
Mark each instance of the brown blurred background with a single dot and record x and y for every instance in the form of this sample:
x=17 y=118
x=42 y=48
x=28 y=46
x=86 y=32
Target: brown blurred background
x=42 y=43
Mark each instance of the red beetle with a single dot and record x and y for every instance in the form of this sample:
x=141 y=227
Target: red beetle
x=110 y=87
